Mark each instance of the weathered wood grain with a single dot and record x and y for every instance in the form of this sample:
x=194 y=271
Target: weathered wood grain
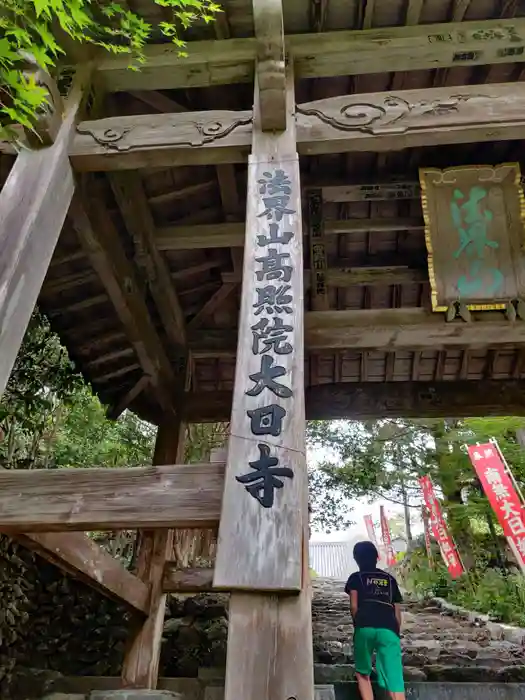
x=78 y=555
x=241 y=563
x=131 y=199
x=270 y=65
x=111 y=499
x=389 y=329
x=411 y=118
x=380 y=122
x=33 y=206
x=100 y=241
x=231 y=235
x=324 y=54
x=373 y=400
x=140 y=668
x=152 y=140
x=178 y=580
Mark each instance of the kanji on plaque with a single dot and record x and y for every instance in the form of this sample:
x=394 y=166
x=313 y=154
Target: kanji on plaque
x=499 y=489
x=440 y=531
x=265 y=496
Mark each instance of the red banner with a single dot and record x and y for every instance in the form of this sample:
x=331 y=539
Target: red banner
x=369 y=523
x=440 y=531
x=502 y=496
x=387 y=540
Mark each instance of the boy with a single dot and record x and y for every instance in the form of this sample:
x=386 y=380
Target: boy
x=374 y=602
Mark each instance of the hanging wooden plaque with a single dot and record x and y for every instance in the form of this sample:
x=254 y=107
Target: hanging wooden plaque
x=474 y=217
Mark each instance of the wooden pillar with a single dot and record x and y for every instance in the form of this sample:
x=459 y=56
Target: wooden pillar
x=263 y=536
x=33 y=205
x=141 y=663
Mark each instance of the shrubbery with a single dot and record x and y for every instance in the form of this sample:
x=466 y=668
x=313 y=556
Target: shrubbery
x=487 y=590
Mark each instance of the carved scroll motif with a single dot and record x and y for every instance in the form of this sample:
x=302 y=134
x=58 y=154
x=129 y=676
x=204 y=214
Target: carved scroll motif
x=390 y=116
x=179 y=133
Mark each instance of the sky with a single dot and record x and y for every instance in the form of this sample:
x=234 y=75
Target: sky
x=359 y=508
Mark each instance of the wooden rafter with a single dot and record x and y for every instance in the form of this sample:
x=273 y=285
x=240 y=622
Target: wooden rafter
x=323 y=54
x=131 y=198
x=372 y=400
x=102 y=245
x=212 y=305
x=231 y=235
x=80 y=556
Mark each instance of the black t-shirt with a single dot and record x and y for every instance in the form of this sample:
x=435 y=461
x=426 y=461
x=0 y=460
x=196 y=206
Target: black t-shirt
x=377 y=592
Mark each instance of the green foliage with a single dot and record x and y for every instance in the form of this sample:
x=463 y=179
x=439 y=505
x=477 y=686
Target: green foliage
x=28 y=30
x=49 y=417
x=490 y=591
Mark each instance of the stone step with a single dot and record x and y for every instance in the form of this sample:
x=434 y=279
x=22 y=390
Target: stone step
x=343 y=673
x=321 y=692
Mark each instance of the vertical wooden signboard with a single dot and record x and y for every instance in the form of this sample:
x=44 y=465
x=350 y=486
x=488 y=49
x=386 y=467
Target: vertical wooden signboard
x=263 y=535
x=261 y=526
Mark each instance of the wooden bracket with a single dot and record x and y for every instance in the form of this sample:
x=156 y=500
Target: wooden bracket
x=271 y=73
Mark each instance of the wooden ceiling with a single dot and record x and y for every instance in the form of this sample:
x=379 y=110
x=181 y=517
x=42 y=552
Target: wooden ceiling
x=174 y=234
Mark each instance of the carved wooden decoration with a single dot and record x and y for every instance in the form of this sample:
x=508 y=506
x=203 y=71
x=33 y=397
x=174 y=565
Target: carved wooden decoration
x=474 y=218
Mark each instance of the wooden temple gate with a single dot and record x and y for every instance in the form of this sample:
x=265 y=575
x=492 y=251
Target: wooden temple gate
x=400 y=295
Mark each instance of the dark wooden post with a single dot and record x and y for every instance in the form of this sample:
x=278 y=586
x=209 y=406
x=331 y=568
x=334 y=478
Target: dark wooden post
x=141 y=663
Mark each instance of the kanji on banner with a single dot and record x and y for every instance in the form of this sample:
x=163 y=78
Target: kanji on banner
x=502 y=496
x=370 y=530
x=387 y=540
x=440 y=531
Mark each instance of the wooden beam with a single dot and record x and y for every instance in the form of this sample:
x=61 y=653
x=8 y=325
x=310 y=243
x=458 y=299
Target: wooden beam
x=212 y=305
x=140 y=668
x=270 y=66
x=131 y=198
x=56 y=500
x=33 y=206
x=178 y=580
x=382 y=122
x=78 y=555
x=323 y=54
x=107 y=256
x=231 y=235
x=411 y=118
x=373 y=400
x=138 y=387
x=388 y=329
x=355 y=276
x=156 y=140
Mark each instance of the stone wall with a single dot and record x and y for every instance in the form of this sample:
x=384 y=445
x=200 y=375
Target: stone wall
x=51 y=622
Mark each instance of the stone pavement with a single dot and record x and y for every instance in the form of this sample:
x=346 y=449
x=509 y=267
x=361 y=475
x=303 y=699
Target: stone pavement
x=438 y=644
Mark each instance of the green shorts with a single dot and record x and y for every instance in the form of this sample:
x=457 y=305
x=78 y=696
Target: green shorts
x=389 y=665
